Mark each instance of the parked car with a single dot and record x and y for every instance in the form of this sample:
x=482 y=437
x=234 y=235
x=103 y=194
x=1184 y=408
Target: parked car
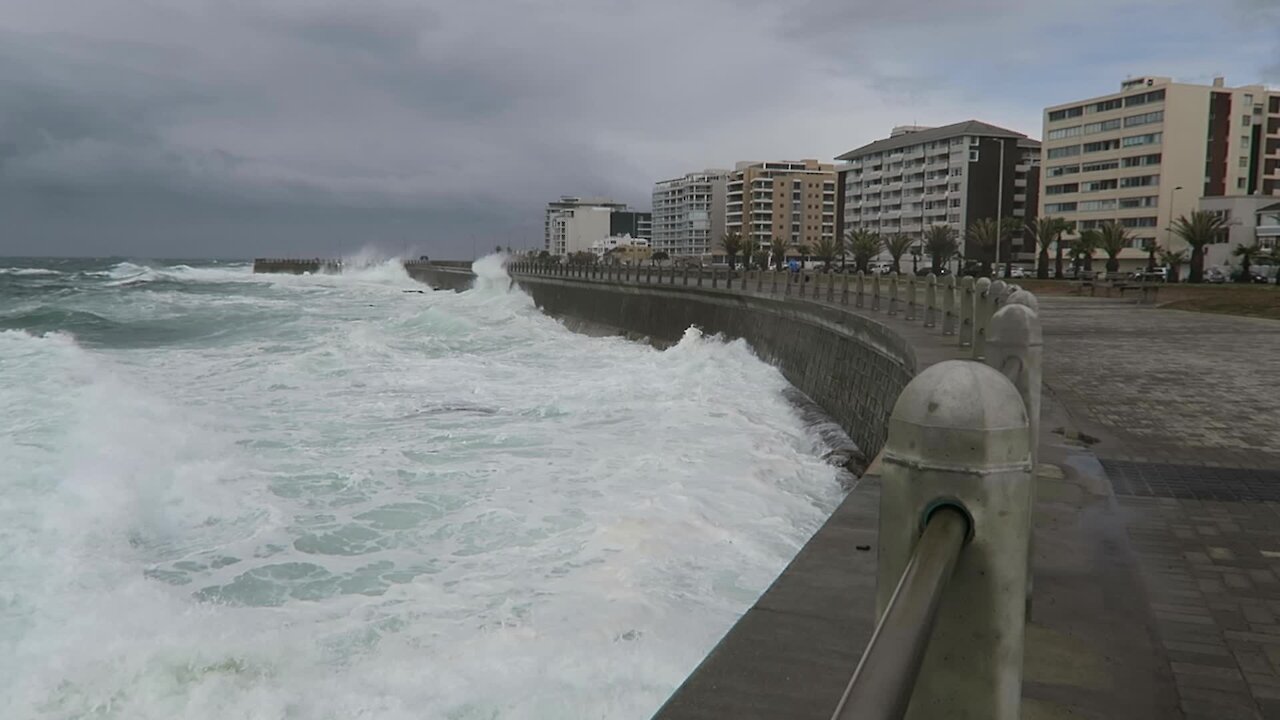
x=880 y=268
x=1160 y=274
x=1017 y=272
x=1215 y=275
x=927 y=271
x=976 y=269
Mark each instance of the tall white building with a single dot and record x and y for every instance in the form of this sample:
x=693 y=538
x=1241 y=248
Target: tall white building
x=573 y=223
x=688 y=213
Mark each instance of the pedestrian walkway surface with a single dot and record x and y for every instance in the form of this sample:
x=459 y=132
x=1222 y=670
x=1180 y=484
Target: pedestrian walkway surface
x=1179 y=409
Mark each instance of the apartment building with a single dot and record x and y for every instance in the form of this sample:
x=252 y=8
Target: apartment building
x=689 y=213
x=790 y=201
x=952 y=175
x=573 y=223
x=1148 y=154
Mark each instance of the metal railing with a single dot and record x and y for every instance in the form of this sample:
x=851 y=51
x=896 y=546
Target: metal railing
x=885 y=677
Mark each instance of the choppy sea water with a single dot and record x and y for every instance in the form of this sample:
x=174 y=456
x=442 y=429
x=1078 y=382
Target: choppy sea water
x=234 y=496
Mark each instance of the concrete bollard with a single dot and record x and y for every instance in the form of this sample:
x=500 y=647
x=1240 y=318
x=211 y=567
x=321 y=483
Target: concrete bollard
x=911 y=297
x=861 y=290
x=981 y=316
x=759 y=281
x=803 y=285
x=965 y=312
x=715 y=277
x=1025 y=297
x=893 y=293
x=773 y=283
x=999 y=289
x=931 y=301
x=1015 y=347
x=958 y=438
x=844 y=288
x=790 y=278
x=685 y=275
x=875 y=291
x=700 y=273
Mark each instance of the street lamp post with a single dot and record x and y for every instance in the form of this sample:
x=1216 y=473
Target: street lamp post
x=1168 y=229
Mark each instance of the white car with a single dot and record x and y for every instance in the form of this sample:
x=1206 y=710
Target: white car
x=880 y=268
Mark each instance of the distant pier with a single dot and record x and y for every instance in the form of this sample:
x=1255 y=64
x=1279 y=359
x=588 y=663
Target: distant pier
x=297 y=266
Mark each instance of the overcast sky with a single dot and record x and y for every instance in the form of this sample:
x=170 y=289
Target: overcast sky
x=233 y=128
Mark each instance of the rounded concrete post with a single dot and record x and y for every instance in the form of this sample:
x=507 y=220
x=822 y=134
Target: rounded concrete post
x=790 y=277
x=875 y=291
x=911 y=297
x=967 y=296
x=1015 y=347
x=773 y=283
x=949 y=305
x=981 y=316
x=759 y=281
x=931 y=301
x=893 y=293
x=801 y=279
x=1025 y=297
x=958 y=437
x=999 y=289
x=861 y=289
x=831 y=287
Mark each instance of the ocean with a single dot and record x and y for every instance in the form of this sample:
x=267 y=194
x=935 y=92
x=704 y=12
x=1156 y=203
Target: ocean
x=228 y=495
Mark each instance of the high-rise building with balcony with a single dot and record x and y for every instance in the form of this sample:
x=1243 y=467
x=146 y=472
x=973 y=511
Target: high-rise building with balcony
x=952 y=175
x=688 y=213
x=789 y=201
x=1149 y=153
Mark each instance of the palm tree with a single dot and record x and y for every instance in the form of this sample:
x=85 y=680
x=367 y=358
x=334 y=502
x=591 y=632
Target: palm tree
x=1200 y=229
x=731 y=243
x=1047 y=232
x=1246 y=253
x=1009 y=229
x=778 y=250
x=984 y=234
x=1112 y=239
x=660 y=256
x=749 y=245
x=1082 y=249
x=940 y=243
x=864 y=245
x=826 y=249
x=897 y=246
x=1172 y=260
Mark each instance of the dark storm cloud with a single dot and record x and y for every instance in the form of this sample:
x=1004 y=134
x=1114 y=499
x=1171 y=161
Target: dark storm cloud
x=204 y=127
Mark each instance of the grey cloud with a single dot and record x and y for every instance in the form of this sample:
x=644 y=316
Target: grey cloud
x=274 y=124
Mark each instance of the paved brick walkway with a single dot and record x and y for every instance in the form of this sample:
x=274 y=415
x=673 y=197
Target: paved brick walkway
x=1183 y=414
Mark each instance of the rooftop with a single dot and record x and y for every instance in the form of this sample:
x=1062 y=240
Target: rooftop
x=907 y=139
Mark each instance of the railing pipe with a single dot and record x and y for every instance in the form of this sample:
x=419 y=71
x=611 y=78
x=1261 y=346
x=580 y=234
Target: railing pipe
x=882 y=684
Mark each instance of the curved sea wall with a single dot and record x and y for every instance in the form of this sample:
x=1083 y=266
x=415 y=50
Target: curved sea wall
x=852 y=366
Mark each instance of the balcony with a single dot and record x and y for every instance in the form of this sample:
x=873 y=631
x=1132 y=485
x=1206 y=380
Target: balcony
x=1269 y=231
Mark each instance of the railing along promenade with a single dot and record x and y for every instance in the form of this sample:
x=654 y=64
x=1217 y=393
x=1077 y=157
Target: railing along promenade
x=956 y=474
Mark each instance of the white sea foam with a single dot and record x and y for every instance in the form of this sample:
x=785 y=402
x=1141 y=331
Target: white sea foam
x=28 y=271
x=383 y=504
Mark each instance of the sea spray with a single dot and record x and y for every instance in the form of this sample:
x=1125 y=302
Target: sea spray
x=322 y=497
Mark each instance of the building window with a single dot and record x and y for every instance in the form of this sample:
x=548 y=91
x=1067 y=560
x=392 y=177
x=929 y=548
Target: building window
x=1141 y=160
x=1246 y=120
x=1140 y=181
x=1062 y=152
x=1144 y=119
x=1060 y=207
x=1098 y=185
x=1138 y=202
x=1103 y=126
x=1057 y=115
x=1144 y=98
x=1148 y=139
x=1061 y=189
x=955 y=203
x=1240 y=184
x=1244 y=161
x=1106 y=105
x=1060 y=170
x=1101 y=146
x=1100 y=166
x=1244 y=141
x=1066 y=132
x=1139 y=222
x=1095 y=205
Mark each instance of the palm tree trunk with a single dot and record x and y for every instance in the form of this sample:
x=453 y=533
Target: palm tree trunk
x=1057 y=263
x=1197 y=265
x=1042 y=267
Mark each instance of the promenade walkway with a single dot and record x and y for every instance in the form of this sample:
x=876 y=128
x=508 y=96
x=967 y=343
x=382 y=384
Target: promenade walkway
x=1177 y=412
